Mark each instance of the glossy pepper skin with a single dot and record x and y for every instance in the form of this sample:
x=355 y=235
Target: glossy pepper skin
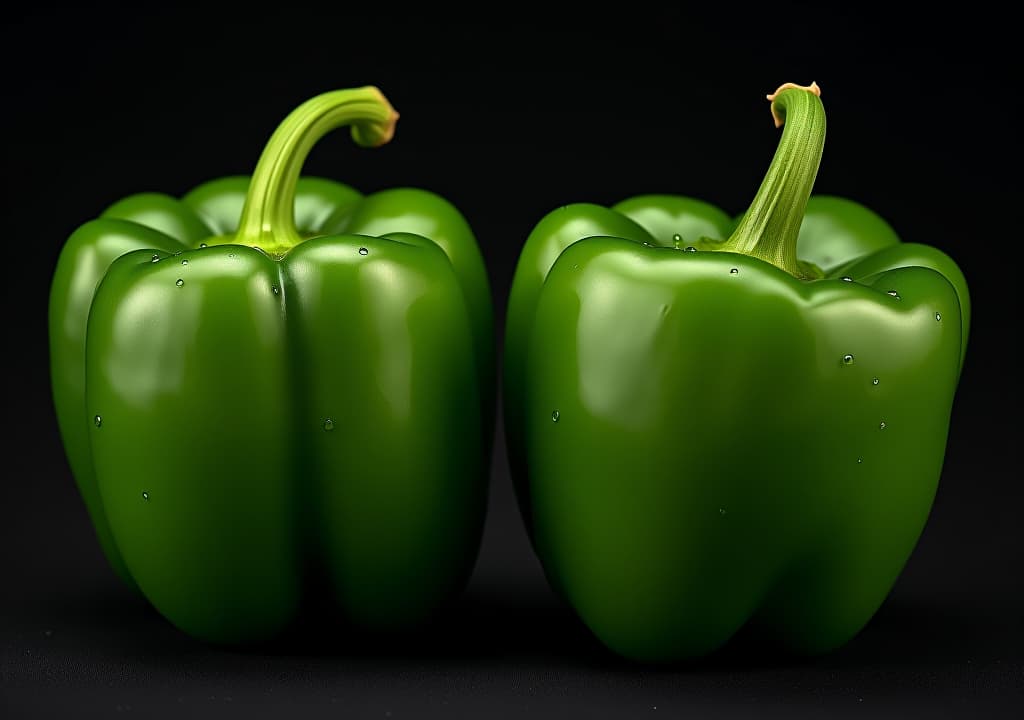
x=713 y=426
x=265 y=413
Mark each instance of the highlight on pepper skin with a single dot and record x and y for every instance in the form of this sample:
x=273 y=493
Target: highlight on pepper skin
x=716 y=423
x=276 y=384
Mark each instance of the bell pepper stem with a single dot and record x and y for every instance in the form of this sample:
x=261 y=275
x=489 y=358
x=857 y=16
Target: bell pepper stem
x=268 y=217
x=769 y=228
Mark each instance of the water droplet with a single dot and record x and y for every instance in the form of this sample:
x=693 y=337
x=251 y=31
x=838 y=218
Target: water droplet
x=881 y=425
x=231 y=255
x=677 y=238
x=179 y=282
x=937 y=317
x=874 y=381
x=555 y=415
x=156 y=258
x=691 y=248
x=847 y=359
x=847 y=278
x=734 y=271
x=184 y=262
x=202 y=245
x=646 y=244
x=575 y=267
x=363 y=251
x=97 y=421
x=274 y=289
x=145 y=495
x=860 y=461
x=328 y=424
x=721 y=511
x=894 y=294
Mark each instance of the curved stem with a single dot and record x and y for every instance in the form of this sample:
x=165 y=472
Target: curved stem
x=769 y=228
x=268 y=218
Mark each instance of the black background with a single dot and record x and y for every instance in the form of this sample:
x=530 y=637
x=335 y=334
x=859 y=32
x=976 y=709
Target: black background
x=510 y=114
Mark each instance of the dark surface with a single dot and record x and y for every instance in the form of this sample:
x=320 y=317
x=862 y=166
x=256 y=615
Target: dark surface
x=508 y=119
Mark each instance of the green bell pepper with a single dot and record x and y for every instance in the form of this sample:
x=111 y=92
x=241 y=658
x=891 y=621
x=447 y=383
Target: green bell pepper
x=712 y=426
x=277 y=393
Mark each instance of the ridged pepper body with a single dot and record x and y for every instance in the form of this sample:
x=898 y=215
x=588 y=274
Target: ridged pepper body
x=705 y=435
x=257 y=431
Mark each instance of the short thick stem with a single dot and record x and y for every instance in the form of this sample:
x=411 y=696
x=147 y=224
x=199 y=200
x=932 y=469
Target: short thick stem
x=268 y=218
x=769 y=228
